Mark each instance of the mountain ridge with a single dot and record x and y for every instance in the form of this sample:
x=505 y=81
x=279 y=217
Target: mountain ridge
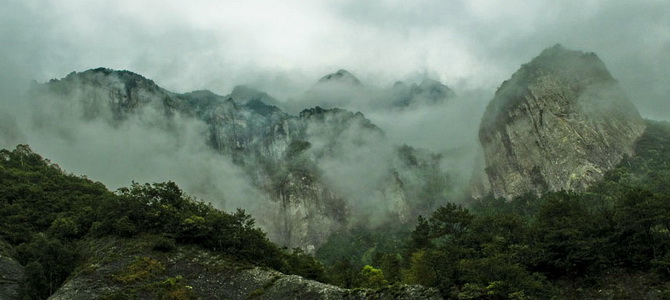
x=282 y=155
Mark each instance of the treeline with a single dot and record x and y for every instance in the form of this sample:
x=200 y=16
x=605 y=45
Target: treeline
x=46 y=215
x=612 y=241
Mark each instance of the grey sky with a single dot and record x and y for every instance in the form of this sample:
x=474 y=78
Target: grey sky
x=285 y=46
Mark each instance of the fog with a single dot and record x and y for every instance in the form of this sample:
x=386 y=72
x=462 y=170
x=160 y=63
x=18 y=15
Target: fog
x=283 y=49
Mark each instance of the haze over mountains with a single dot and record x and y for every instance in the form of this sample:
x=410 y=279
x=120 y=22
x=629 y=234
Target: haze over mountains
x=335 y=124
x=303 y=175
x=308 y=174
x=559 y=123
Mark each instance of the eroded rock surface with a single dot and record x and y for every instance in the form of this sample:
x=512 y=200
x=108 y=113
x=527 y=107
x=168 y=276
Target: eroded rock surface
x=559 y=123
x=11 y=273
x=129 y=269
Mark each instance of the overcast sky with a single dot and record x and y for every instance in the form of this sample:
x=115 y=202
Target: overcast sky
x=285 y=46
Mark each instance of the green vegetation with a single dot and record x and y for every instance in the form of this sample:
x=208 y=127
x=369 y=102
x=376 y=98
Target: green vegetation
x=142 y=268
x=47 y=215
x=611 y=242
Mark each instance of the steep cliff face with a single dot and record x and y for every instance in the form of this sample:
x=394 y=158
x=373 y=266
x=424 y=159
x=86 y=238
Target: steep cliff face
x=318 y=169
x=11 y=273
x=559 y=123
x=109 y=94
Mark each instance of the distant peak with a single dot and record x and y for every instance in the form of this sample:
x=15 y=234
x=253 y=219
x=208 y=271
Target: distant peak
x=108 y=71
x=103 y=74
x=341 y=76
x=559 y=57
x=243 y=94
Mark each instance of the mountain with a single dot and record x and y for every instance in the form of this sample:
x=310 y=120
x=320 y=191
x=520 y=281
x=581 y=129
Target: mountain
x=559 y=123
x=318 y=171
x=427 y=92
x=343 y=90
x=341 y=77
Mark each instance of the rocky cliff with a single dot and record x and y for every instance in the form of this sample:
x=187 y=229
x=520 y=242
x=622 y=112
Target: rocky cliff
x=559 y=123
x=129 y=268
x=11 y=273
x=318 y=169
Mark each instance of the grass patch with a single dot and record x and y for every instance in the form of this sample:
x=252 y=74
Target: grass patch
x=140 y=269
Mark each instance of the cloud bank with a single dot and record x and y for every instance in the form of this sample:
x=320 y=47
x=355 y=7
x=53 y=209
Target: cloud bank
x=284 y=48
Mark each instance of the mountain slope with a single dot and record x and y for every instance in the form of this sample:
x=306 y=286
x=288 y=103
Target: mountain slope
x=559 y=123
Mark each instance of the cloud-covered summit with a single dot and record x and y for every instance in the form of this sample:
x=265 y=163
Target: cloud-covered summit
x=283 y=49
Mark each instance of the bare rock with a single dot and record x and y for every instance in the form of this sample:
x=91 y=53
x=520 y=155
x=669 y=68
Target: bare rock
x=559 y=123
x=11 y=273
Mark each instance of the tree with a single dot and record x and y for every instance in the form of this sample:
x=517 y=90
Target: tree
x=420 y=237
x=569 y=237
x=371 y=277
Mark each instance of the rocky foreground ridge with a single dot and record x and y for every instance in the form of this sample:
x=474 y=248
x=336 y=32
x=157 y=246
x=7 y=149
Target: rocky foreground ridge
x=559 y=123
x=129 y=268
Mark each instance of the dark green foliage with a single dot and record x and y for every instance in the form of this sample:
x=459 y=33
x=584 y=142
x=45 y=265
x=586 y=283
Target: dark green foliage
x=164 y=244
x=642 y=230
x=50 y=261
x=162 y=208
x=569 y=236
x=359 y=245
x=420 y=237
x=343 y=273
x=562 y=245
x=298 y=262
x=36 y=285
x=45 y=213
x=34 y=193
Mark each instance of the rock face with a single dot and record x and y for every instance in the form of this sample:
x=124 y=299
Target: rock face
x=317 y=169
x=129 y=269
x=11 y=273
x=559 y=123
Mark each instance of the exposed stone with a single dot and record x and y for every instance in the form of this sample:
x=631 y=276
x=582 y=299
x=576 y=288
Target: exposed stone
x=559 y=123
x=203 y=275
x=284 y=156
x=11 y=273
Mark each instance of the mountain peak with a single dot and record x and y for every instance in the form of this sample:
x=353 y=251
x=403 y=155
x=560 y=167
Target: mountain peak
x=341 y=76
x=243 y=94
x=559 y=123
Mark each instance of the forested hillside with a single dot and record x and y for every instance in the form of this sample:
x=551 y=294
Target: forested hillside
x=48 y=216
x=612 y=241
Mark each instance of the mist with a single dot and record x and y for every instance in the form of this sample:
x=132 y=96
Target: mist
x=283 y=49
x=469 y=46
